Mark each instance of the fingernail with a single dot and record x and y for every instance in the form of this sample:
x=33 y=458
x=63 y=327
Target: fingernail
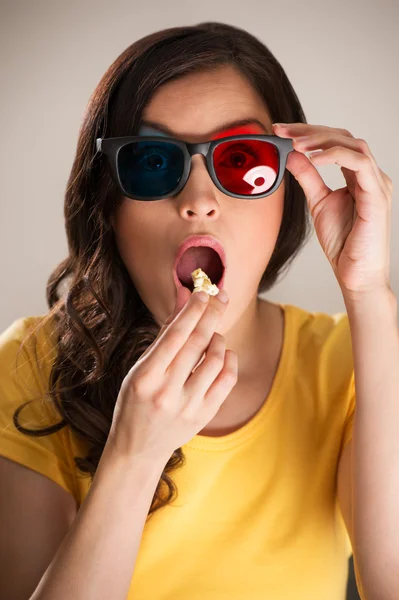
x=203 y=296
x=279 y=124
x=223 y=296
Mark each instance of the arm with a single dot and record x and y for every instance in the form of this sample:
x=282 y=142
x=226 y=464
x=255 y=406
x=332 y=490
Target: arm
x=97 y=556
x=35 y=515
x=375 y=443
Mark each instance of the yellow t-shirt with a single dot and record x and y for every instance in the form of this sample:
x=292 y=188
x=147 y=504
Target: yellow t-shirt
x=257 y=514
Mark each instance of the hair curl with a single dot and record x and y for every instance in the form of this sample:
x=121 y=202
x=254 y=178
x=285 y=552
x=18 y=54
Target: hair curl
x=101 y=325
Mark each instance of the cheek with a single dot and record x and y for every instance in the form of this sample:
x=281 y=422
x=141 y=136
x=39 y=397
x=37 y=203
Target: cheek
x=273 y=212
x=132 y=234
x=263 y=227
x=268 y=215
x=139 y=238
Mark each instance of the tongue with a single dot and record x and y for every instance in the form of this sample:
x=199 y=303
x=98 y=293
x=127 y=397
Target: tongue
x=199 y=257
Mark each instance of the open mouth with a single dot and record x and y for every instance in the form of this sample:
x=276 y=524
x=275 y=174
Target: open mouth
x=202 y=257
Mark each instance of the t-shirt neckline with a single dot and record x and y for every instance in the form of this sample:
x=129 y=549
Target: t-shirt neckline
x=250 y=429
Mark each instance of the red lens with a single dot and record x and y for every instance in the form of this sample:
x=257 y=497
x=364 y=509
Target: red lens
x=247 y=167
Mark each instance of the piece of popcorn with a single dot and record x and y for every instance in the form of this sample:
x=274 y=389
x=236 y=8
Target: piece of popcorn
x=202 y=283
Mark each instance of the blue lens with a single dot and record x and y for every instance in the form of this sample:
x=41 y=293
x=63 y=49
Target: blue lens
x=150 y=168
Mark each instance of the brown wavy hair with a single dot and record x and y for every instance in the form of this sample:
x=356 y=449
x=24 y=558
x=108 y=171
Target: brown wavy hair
x=101 y=325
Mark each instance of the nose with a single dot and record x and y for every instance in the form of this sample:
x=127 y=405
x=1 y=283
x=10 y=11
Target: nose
x=199 y=195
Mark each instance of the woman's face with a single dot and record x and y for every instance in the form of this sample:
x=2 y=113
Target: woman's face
x=148 y=234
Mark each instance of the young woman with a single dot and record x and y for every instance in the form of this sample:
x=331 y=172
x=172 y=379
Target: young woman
x=159 y=444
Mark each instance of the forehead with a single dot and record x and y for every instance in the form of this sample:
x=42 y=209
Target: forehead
x=152 y=128
x=207 y=105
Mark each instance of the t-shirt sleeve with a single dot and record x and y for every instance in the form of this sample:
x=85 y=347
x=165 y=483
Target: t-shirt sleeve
x=21 y=380
x=348 y=424
x=336 y=372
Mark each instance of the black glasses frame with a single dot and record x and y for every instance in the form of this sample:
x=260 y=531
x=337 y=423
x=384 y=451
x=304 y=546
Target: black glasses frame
x=111 y=147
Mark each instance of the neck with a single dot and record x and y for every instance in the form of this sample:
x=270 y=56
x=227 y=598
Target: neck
x=246 y=337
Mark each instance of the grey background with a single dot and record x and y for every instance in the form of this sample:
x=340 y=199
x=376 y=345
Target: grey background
x=341 y=57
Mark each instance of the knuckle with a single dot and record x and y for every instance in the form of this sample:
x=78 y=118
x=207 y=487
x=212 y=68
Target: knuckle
x=197 y=339
x=160 y=399
x=187 y=413
x=218 y=337
x=232 y=364
x=363 y=145
x=139 y=383
x=227 y=378
x=200 y=307
x=216 y=359
x=222 y=346
x=218 y=343
x=219 y=308
x=231 y=374
x=387 y=180
x=173 y=337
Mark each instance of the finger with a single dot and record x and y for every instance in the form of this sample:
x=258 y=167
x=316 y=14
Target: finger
x=225 y=381
x=197 y=343
x=198 y=384
x=175 y=335
x=176 y=309
x=223 y=384
x=335 y=136
x=325 y=141
x=359 y=163
x=388 y=181
x=298 y=129
x=182 y=296
x=309 y=179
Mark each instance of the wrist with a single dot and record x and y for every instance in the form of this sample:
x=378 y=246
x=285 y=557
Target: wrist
x=147 y=467
x=380 y=299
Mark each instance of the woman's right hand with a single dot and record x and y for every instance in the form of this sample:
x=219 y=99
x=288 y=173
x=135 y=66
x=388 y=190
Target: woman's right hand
x=162 y=403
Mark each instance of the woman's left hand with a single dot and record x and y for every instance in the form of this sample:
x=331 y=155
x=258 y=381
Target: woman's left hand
x=352 y=223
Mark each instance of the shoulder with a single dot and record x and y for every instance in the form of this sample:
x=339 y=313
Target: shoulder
x=324 y=369
x=318 y=329
x=322 y=343
x=17 y=330
x=37 y=328
x=28 y=342
x=27 y=353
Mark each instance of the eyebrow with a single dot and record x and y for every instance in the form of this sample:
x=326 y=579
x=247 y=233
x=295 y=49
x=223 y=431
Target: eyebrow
x=228 y=125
